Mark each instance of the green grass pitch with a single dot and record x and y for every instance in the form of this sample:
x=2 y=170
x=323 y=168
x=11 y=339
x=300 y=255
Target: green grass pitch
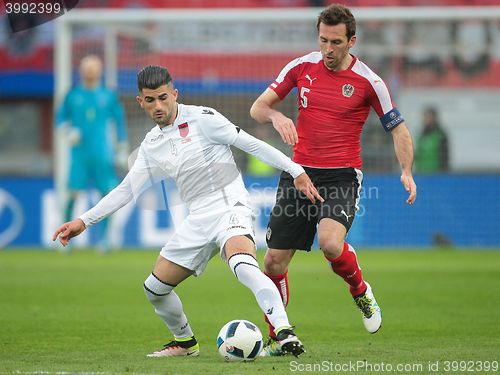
x=87 y=314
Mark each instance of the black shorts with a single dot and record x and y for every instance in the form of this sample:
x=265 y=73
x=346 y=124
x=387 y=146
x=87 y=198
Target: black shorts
x=294 y=218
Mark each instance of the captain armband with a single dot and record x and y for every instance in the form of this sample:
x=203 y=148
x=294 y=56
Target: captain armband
x=391 y=119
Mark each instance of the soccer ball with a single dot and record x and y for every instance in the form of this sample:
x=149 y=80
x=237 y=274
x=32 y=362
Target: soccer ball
x=239 y=340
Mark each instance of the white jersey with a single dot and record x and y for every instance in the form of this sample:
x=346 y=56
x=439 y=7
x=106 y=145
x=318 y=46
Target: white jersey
x=195 y=152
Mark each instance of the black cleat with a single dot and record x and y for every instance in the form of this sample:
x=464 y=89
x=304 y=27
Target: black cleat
x=289 y=342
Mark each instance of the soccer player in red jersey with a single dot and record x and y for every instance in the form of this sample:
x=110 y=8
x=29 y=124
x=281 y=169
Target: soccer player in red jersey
x=335 y=93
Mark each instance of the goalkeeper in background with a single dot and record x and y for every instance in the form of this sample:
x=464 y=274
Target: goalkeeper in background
x=85 y=117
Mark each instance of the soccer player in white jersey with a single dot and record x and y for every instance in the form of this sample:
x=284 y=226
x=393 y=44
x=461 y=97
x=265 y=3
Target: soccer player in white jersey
x=191 y=144
x=336 y=91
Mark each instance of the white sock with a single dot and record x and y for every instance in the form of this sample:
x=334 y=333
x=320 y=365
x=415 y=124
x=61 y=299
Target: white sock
x=168 y=306
x=247 y=271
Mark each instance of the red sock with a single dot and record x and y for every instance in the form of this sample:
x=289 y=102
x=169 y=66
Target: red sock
x=346 y=266
x=281 y=282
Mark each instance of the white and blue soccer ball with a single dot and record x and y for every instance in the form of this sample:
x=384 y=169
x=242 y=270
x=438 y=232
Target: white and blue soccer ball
x=239 y=340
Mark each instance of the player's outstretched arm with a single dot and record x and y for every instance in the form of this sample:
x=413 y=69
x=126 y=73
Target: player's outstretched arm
x=263 y=111
x=304 y=184
x=107 y=205
x=403 y=147
x=275 y=158
x=69 y=230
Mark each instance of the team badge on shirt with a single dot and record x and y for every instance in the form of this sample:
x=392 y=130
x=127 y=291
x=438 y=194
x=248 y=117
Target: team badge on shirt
x=184 y=130
x=347 y=90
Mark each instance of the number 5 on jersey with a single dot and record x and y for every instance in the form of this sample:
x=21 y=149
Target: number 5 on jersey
x=303 y=97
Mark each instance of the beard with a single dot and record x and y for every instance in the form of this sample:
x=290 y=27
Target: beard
x=161 y=118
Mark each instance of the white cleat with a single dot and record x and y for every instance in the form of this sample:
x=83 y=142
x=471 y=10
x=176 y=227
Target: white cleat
x=370 y=310
x=175 y=349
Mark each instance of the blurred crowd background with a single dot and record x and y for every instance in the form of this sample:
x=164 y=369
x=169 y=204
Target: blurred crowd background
x=444 y=74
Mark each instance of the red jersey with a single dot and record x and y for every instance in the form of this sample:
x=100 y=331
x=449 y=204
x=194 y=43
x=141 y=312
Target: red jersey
x=333 y=107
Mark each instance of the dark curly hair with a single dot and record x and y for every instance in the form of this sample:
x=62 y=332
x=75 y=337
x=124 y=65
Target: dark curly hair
x=336 y=14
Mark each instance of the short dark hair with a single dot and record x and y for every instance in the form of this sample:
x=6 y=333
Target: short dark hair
x=336 y=14
x=152 y=77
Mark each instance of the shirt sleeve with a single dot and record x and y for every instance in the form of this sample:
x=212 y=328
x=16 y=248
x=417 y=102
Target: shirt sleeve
x=217 y=128
x=141 y=175
x=286 y=80
x=380 y=100
x=266 y=153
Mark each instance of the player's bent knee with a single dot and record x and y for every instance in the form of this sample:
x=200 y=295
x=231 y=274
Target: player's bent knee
x=155 y=288
x=276 y=262
x=331 y=247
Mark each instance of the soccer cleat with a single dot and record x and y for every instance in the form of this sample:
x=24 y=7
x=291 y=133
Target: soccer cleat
x=289 y=342
x=178 y=348
x=370 y=310
x=272 y=348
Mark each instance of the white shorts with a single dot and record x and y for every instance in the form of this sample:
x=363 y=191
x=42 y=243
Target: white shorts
x=201 y=235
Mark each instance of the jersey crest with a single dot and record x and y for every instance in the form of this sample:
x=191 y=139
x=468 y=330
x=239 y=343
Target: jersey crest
x=347 y=90
x=184 y=130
